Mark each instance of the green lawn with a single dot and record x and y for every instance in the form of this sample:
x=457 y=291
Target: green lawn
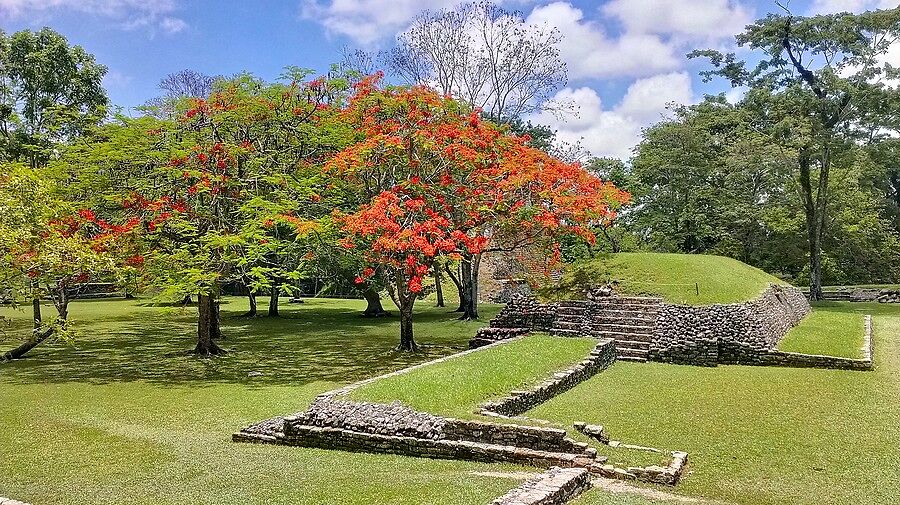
x=457 y=386
x=693 y=279
x=832 y=329
x=760 y=435
x=124 y=417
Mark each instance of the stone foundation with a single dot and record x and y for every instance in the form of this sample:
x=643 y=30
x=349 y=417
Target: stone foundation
x=739 y=333
x=553 y=487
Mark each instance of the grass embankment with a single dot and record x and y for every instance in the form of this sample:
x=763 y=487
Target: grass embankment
x=693 y=279
x=124 y=417
x=457 y=386
x=760 y=435
x=831 y=329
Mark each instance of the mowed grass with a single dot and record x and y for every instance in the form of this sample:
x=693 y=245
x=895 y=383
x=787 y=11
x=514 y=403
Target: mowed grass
x=124 y=417
x=693 y=279
x=760 y=435
x=831 y=329
x=457 y=386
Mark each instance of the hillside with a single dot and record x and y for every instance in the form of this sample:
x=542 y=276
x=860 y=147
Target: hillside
x=692 y=279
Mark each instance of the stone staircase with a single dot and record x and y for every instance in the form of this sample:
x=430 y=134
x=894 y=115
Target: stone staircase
x=630 y=321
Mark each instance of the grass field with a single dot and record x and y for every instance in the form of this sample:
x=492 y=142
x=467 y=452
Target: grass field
x=693 y=279
x=456 y=387
x=760 y=435
x=124 y=417
x=831 y=329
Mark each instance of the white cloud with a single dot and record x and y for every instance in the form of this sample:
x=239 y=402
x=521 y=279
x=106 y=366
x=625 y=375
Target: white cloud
x=368 y=21
x=615 y=131
x=589 y=52
x=126 y=14
x=681 y=18
x=834 y=6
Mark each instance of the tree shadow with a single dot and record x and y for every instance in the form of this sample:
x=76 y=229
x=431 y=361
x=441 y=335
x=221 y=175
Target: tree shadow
x=321 y=340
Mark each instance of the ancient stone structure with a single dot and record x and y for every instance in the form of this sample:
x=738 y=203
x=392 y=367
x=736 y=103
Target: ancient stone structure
x=553 y=487
x=648 y=329
x=518 y=402
x=738 y=333
x=629 y=320
x=851 y=294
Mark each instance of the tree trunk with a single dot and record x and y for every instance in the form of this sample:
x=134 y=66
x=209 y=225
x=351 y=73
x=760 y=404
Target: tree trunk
x=251 y=296
x=459 y=289
x=273 y=301
x=37 y=335
x=814 y=210
x=36 y=312
x=36 y=338
x=438 y=288
x=469 y=283
x=207 y=326
x=407 y=342
x=373 y=304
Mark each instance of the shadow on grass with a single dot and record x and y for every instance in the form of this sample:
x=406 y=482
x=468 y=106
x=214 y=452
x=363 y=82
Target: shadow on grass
x=320 y=340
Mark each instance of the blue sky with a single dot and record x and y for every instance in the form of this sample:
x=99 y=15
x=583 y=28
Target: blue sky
x=625 y=58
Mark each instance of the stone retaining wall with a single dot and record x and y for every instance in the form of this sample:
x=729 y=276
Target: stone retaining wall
x=739 y=333
x=556 y=486
x=525 y=312
x=795 y=359
x=600 y=358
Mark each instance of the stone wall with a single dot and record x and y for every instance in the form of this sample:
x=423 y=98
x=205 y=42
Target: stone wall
x=10 y=501
x=518 y=402
x=795 y=359
x=553 y=487
x=525 y=312
x=740 y=333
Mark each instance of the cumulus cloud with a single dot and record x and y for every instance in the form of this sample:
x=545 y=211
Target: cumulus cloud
x=681 y=18
x=368 y=21
x=834 y=6
x=589 y=52
x=126 y=14
x=616 y=130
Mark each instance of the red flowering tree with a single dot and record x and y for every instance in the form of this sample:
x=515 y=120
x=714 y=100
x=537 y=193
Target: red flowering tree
x=48 y=251
x=440 y=181
x=238 y=195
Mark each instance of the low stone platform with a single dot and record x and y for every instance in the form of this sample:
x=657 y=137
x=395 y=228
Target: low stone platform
x=553 y=487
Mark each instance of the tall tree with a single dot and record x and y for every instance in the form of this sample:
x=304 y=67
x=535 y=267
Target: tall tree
x=484 y=55
x=820 y=82
x=441 y=182
x=50 y=91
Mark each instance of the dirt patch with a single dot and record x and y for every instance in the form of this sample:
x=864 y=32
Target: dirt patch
x=507 y=475
x=619 y=487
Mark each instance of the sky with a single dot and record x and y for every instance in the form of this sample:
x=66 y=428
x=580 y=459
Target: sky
x=625 y=58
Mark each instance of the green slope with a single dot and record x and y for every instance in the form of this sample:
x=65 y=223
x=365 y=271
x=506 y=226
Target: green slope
x=692 y=279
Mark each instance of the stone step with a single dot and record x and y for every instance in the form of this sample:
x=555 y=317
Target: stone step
x=632 y=358
x=645 y=337
x=559 y=332
x=643 y=300
x=626 y=307
x=624 y=328
x=622 y=320
x=632 y=353
x=569 y=325
x=632 y=344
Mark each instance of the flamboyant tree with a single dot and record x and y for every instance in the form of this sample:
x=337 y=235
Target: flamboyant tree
x=48 y=250
x=235 y=199
x=440 y=181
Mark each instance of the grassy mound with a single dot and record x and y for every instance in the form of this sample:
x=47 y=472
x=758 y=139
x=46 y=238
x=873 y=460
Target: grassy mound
x=692 y=279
